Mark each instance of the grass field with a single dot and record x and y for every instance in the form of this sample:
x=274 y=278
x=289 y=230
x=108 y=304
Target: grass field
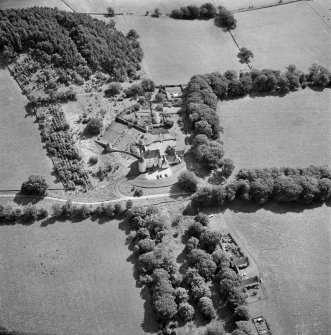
x=70 y=278
x=21 y=149
x=278 y=131
x=141 y=6
x=175 y=50
x=290 y=34
x=291 y=247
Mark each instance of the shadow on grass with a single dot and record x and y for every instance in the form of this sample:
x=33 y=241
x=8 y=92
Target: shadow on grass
x=149 y=324
x=24 y=200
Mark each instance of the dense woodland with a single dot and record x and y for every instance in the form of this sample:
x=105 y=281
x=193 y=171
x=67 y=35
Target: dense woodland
x=68 y=40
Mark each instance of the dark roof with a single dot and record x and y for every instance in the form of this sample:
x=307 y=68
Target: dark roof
x=180 y=153
x=151 y=153
x=240 y=261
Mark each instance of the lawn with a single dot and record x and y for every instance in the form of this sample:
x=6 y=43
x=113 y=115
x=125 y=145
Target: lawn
x=175 y=50
x=291 y=246
x=21 y=149
x=278 y=131
x=70 y=278
x=292 y=34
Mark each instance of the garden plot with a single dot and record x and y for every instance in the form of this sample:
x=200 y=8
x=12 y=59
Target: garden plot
x=283 y=35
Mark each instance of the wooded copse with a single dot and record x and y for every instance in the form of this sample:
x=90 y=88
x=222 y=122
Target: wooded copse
x=283 y=185
x=68 y=40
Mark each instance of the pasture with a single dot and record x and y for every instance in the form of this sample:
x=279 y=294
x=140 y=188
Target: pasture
x=21 y=150
x=70 y=278
x=141 y=6
x=175 y=50
x=278 y=131
x=291 y=246
x=292 y=34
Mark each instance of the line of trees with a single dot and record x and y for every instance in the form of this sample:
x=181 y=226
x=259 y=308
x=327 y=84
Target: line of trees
x=285 y=185
x=68 y=40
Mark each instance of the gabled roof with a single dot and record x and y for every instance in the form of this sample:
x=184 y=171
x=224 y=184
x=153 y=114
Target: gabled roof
x=151 y=154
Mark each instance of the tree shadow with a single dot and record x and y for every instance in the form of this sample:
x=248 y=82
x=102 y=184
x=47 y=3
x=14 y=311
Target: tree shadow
x=48 y=221
x=24 y=200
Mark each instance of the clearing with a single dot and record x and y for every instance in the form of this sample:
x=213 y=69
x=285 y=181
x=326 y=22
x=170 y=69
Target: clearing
x=293 y=130
x=70 y=278
x=291 y=34
x=175 y=50
x=22 y=153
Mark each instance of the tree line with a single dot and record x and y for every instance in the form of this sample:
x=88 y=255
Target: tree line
x=283 y=185
x=68 y=40
x=203 y=91
x=222 y=17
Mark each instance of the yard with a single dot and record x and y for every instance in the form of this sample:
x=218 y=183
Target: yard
x=70 y=278
x=175 y=50
x=297 y=34
x=22 y=152
x=278 y=131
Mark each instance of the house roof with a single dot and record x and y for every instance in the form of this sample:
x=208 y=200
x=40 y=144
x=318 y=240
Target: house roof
x=151 y=154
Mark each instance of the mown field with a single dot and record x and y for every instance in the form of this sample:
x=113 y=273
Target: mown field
x=278 y=131
x=21 y=149
x=175 y=50
x=70 y=278
x=291 y=34
x=291 y=247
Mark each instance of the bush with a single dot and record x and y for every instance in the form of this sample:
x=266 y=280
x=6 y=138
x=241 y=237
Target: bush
x=113 y=89
x=148 y=85
x=187 y=181
x=160 y=97
x=245 y=55
x=93 y=160
x=202 y=218
x=209 y=240
x=138 y=192
x=242 y=313
x=168 y=123
x=110 y=12
x=30 y=213
x=35 y=185
x=191 y=244
x=94 y=126
x=206 y=308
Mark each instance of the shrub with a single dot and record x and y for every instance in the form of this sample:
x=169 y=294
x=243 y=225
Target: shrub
x=129 y=204
x=30 y=213
x=160 y=97
x=148 y=85
x=93 y=160
x=206 y=308
x=35 y=185
x=118 y=209
x=187 y=181
x=168 y=123
x=185 y=311
x=245 y=55
x=110 y=12
x=94 y=126
x=113 y=89
x=242 y=313
x=202 y=218
x=138 y=192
